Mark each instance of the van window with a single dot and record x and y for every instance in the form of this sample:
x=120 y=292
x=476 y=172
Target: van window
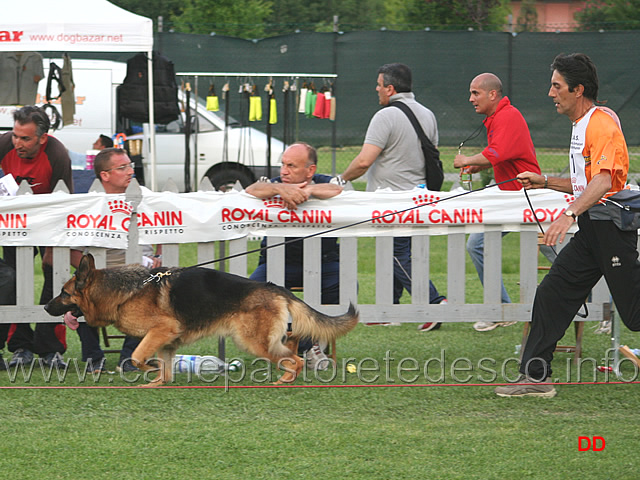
x=178 y=126
x=206 y=125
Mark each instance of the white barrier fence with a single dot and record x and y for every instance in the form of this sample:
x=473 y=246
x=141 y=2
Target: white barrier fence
x=382 y=310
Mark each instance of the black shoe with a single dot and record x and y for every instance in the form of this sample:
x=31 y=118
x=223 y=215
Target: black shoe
x=3 y=363
x=53 y=360
x=21 y=355
x=96 y=366
x=127 y=366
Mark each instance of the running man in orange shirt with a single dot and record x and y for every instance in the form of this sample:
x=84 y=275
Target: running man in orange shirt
x=599 y=164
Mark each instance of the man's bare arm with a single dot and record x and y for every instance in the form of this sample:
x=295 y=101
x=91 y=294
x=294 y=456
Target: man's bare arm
x=323 y=190
x=362 y=162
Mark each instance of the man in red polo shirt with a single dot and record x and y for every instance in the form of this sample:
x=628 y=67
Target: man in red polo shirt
x=509 y=152
x=29 y=153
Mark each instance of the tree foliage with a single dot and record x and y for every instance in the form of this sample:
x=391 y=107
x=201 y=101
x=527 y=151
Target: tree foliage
x=527 y=20
x=237 y=18
x=261 y=18
x=609 y=15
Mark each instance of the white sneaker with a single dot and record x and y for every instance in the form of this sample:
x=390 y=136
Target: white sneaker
x=488 y=326
x=316 y=358
x=603 y=327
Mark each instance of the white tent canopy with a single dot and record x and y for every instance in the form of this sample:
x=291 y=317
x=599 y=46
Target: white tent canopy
x=78 y=26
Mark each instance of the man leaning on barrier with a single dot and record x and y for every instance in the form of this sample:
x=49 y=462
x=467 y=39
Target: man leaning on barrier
x=298 y=181
x=114 y=169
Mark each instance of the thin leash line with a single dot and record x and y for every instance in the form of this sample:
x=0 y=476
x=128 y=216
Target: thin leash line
x=298 y=239
x=586 y=310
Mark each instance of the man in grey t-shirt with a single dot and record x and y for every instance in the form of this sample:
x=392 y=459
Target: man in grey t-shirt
x=392 y=158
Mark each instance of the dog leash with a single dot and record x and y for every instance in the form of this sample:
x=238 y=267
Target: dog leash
x=298 y=239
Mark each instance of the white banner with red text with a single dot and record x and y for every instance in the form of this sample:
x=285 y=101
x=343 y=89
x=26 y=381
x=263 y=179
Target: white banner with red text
x=102 y=220
x=206 y=216
x=60 y=219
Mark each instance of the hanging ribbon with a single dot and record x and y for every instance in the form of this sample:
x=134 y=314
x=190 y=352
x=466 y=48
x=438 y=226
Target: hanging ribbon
x=310 y=101
x=255 y=106
x=213 y=104
x=303 y=98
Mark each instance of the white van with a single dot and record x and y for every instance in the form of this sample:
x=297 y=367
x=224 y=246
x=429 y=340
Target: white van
x=223 y=155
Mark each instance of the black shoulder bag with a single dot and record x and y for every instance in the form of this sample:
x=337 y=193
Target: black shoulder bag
x=433 y=172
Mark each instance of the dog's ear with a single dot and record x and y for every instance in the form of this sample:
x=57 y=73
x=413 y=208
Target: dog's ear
x=87 y=264
x=91 y=260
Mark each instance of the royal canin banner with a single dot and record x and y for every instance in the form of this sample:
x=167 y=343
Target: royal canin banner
x=208 y=216
x=101 y=220
x=63 y=220
x=165 y=217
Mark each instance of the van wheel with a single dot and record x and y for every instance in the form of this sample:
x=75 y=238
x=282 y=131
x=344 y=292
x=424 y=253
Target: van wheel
x=224 y=180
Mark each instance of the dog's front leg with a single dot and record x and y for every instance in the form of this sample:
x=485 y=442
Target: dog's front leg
x=156 y=340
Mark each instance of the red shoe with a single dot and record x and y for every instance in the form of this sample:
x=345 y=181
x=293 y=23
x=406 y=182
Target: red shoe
x=432 y=325
x=429 y=326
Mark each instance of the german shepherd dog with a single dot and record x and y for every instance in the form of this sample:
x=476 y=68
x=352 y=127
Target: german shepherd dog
x=181 y=305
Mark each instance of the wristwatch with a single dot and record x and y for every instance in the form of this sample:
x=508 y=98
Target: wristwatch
x=569 y=213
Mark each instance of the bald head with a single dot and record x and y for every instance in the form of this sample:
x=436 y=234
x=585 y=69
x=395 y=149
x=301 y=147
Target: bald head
x=485 y=93
x=299 y=163
x=489 y=81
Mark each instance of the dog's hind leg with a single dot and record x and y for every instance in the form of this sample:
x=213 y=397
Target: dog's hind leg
x=266 y=337
x=292 y=367
x=292 y=364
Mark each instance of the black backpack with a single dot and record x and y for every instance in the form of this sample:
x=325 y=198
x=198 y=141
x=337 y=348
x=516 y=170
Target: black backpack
x=433 y=165
x=133 y=96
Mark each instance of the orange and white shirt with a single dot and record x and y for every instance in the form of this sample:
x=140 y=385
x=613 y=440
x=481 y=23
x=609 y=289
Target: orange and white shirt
x=597 y=144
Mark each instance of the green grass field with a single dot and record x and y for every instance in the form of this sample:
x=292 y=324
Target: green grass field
x=352 y=427
x=420 y=405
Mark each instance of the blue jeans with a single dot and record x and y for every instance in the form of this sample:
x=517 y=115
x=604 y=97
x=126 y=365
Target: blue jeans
x=475 y=247
x=7 y=295
x=402 y=271
x=91 y=349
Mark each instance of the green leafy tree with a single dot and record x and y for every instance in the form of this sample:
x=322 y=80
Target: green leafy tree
x=527 y=20
x=478 y=14
x=261 y=18
x=609 y=15
x=317 y=15
x=239 y=18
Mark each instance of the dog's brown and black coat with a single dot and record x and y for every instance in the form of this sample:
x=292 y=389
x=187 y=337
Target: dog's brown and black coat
x=183 y=305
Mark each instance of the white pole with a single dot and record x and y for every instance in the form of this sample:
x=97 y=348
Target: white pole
x=152 y=126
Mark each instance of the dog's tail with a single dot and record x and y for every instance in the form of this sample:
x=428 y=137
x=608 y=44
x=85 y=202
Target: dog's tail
x=308 y=322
